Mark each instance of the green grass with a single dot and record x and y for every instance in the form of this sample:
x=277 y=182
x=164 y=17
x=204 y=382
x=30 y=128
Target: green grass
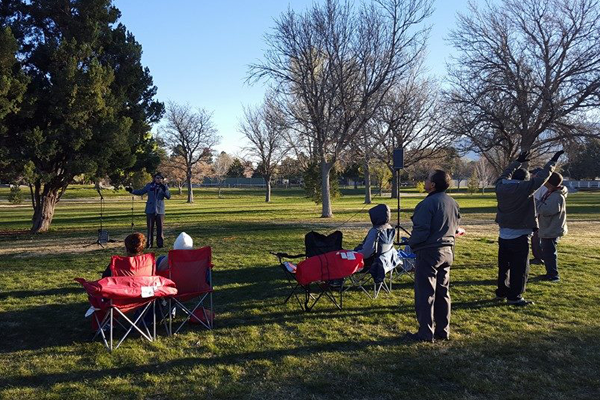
x=261 y=348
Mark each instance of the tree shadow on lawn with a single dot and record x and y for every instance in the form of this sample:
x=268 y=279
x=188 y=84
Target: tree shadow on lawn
x=540 y=365
x=239 y=294
x=24 y=294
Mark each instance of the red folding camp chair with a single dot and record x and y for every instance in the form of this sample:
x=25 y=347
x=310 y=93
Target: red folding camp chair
x=113 y=298
x=191 y=270
x=142 y=265
x=322 y=275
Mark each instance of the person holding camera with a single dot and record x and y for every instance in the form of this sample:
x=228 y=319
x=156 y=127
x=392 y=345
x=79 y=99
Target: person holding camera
x=516 y=218
x=155 y=208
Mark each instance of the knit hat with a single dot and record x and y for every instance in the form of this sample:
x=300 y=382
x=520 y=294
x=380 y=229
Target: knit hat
x=183 y=242
x=555 y=179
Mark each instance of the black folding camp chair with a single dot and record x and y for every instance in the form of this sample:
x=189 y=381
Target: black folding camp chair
x=309 y=295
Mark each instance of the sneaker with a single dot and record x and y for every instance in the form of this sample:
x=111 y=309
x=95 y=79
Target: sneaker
x=536 y=261
x=553 y=278
x=440 y=337
x=520 y=302
x=499 y=298
x=414 y=337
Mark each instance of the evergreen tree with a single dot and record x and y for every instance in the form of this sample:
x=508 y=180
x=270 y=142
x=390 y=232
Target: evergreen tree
x=12 y=87
x=473 y=183
x=236 y=169
x=88 y=104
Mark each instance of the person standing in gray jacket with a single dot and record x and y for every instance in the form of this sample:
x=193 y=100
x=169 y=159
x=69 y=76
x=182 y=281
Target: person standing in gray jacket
x=552 y=216
x=155 y=208
x=435 y=224
x=516 y=217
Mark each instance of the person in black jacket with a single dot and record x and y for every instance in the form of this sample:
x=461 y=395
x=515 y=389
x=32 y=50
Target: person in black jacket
x=435 y=224
x=517 y=220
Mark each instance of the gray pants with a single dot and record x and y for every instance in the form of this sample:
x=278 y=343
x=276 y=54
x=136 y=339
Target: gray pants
x=432 y=291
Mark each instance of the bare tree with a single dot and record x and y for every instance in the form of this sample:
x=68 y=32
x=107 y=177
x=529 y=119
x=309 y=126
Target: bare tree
x=526 y=76
x=220 y=168
x=191 y=134
x=411 y=117
x=485 y=172
x=173 y=168
x=265 y=128
x=364 y=148
x=335 y=64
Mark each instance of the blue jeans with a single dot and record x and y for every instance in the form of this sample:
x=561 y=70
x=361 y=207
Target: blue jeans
x=550 y=255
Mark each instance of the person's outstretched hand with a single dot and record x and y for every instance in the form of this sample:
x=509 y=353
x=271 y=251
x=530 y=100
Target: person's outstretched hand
x=557 y=155
x=129 y=189
x=524 y=157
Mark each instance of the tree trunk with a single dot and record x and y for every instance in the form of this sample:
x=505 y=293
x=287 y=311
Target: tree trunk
x=179 y=188
x=190 y=198
x=325 y=192
x=45 y=204
x=395 y=183
x=219 y=195
x=267 y=179
x=368 y=198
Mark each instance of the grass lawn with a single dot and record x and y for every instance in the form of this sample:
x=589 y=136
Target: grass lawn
x=261 y=348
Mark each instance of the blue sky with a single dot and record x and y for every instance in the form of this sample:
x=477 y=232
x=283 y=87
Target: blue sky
x=198 y=51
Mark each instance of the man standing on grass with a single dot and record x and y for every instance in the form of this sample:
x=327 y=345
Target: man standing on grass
x=435 y=224
x=536 y=244
x=155 y=207
x=552 y=216
x=516 y=217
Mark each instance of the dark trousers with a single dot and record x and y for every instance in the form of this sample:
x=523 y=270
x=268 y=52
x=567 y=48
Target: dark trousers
x=513 y=267
x=550 y=256
x=151 y=221
x=536 y=247
x=432 y=291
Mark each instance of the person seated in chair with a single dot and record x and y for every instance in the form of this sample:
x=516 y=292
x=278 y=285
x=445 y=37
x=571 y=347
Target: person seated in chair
x=378 y=246
x=134 y=246
x=183 y=242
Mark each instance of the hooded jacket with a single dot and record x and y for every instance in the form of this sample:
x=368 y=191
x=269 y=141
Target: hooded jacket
x=378 y=246
x=516 y=204
x=435 y=222
x=552 y=214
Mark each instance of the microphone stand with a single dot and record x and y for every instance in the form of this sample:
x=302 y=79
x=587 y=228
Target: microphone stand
x=132 y=198
x=102 y=234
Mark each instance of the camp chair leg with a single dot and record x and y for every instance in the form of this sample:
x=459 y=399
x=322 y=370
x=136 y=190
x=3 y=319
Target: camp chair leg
x=111 y=328
x=212 y=314
x=133 y=325
x=334 y=300
x=291 y=293
x=170 y=311
x=101 y=327
x=154 y=318
x=309 y=296
x=190 y=314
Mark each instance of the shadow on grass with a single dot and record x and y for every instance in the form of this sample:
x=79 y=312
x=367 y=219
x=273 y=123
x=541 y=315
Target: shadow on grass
x=393 y=367
x=23 y=294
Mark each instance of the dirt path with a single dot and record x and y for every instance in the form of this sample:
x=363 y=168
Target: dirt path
x=585 y=232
